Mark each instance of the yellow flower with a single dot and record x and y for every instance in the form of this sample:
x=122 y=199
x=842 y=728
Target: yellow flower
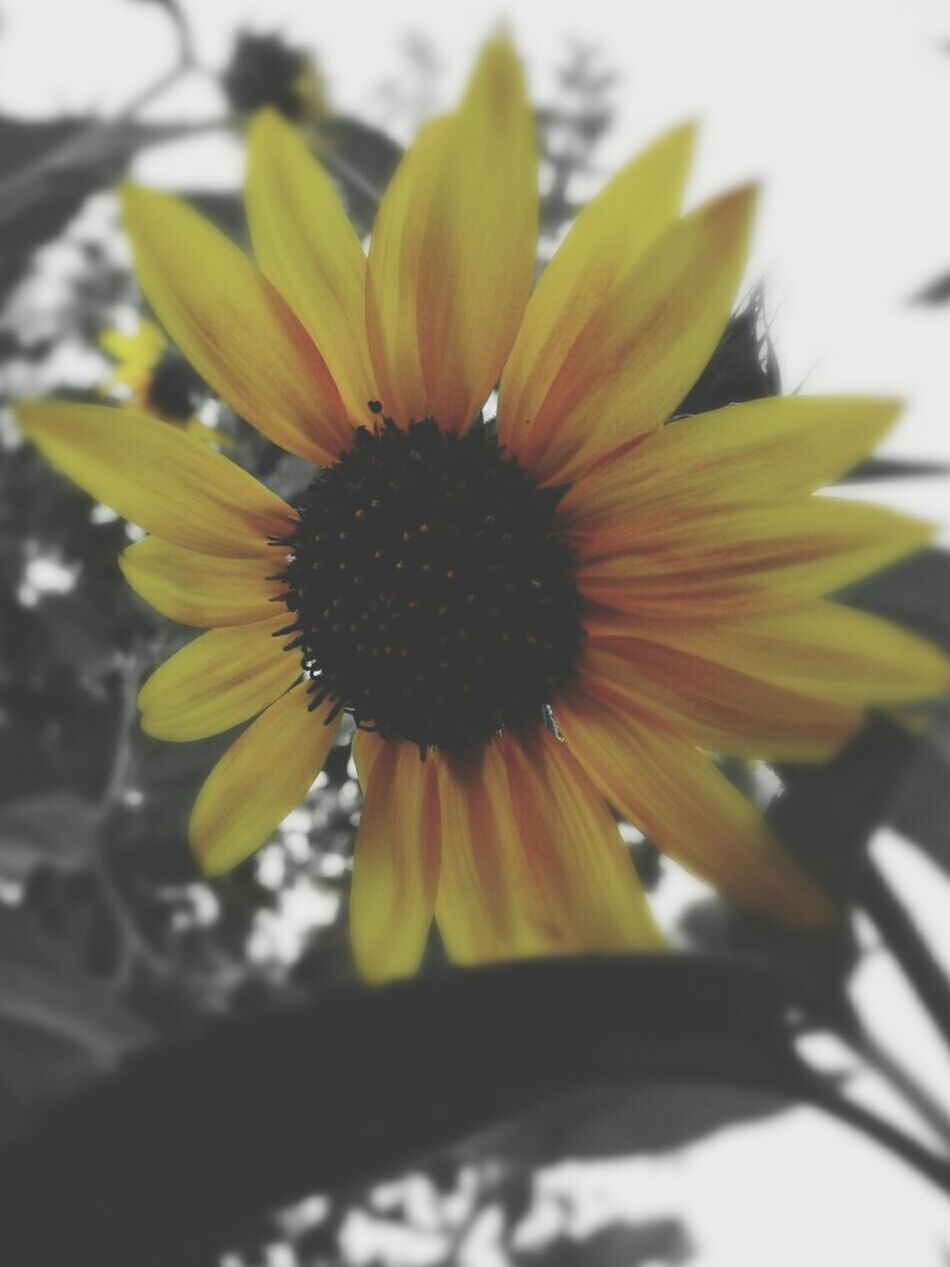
x=650 y=592
x=264 y=70
x=157 y=378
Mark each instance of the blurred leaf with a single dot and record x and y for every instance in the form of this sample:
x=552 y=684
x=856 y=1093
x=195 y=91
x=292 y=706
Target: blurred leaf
x=58 y=1026
x=915 y=593
x=935 y=292
x=893 y=469
x=827 y=813
x=648 y=1242
x=922 y=811
x=80 y=633
x=224 y=209
x=743 y=367
x=47 y=170
x=272 y=1110
x=361 y=159
x=57 y=829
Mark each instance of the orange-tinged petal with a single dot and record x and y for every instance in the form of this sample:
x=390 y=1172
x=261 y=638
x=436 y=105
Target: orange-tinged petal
x=220 y=679
x=395 y=861
x=478 y=249
x=585 y=879
x=265 y=773
x=606 y=240
x=687 y=808
x=158 y=477
x=532 y=862
x=706 y=560
x=823 y=649
x=201 y=589
x=483 y=904
x=760 y=450
x=233 y=326
x=392 y=282
x=306 y=245
x=646 y=345
x=716 y=706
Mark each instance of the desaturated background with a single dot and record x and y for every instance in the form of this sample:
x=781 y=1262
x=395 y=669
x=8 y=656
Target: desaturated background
x=842 y=108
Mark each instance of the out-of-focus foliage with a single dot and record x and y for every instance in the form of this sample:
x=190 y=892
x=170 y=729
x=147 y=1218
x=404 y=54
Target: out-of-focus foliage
x=110 y=940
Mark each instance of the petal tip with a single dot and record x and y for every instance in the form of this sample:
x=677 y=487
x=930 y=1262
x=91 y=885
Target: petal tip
x=266 y=125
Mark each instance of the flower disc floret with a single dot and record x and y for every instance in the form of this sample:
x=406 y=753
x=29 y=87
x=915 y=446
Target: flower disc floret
x=432 y=587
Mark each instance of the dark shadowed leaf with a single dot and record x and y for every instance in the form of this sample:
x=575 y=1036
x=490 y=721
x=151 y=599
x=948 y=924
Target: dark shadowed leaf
x=361 y=159
x=893 y=469
x=344 y=1088
x=915 y=593
x=58 y=1026
x=934 y=293
x=922 y=812
x=49 y=167
x=55 y=829
x=224 y=209
x=743 y=367
x=827 y=813
x=409 y=1068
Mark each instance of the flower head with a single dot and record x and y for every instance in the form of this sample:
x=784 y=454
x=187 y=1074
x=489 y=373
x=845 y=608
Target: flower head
x=564 y=607
x=265 y=70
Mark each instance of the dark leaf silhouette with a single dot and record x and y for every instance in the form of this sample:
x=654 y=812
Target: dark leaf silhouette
x=339 y=1090
x=49 y=167
x=934 y=293
x=743 y=366
x=827 y=813
x=915 y=593
x=361 y=159
x=894 y=469
x=56 y=829
x=58 y=1026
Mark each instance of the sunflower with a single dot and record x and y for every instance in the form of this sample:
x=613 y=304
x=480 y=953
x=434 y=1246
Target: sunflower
x=156 y=377
x=564 y=608
x=264 y=70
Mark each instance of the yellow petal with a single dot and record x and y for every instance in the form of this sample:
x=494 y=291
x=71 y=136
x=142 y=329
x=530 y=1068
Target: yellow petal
x=452 y=252
x=201 y=589
x=392 y=283
x=307 y=247
x=220 y=679
x=263 y=775
x=587 y=884
x=760 y=450
x=158 y=477
x=532 y=862
x=646 y=345
x=395 y=861
x=675 y=796
x=823 y=649
x=607 y=239
x=733 y=560
x=478 y=250
x=483 y=906
x=233 y=326
x=717 y=706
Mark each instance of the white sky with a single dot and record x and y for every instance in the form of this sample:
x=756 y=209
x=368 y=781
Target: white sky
x=842 y=108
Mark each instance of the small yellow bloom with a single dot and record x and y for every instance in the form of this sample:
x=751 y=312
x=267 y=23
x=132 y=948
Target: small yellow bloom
x=265 y=70
x=658 y=591
x=154 y=376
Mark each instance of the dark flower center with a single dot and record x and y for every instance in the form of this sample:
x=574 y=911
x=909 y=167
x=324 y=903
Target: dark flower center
x=432 y=587
x=174 y=389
